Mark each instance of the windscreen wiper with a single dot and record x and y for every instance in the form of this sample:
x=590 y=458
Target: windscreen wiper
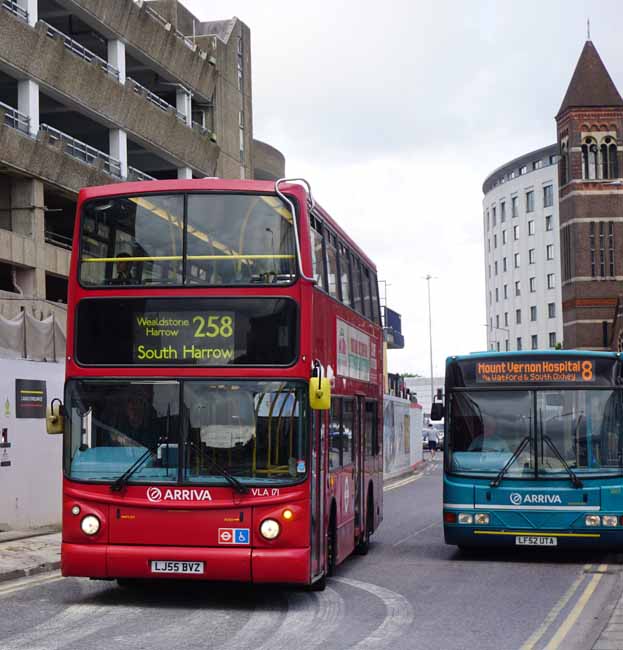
x=577 y=483
x=498 y=479
x=120 y=483
x=233 y=481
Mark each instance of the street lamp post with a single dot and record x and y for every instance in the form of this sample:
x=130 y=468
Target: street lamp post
x=428 y=278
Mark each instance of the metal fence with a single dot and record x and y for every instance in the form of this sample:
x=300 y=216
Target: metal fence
x=14 y=8
x=82 y=151
x=15 y=119
x=81 y=51
x=137 y=175
x=57 y=239
x=154 y=99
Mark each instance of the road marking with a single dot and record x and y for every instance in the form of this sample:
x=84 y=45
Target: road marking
x=574 y=614
x=27 y=583
x=555 y=611
x=403 y=482
x=399 y=615
x=417 y=532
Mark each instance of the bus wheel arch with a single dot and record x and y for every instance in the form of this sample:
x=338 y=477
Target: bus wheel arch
x=363 y=545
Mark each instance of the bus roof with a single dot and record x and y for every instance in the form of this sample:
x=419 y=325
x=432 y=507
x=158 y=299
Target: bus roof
x=532 y=353
x=214 y=184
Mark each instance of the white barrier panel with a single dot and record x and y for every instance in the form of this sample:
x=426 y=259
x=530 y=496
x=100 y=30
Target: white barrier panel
x=30 y=459
x=402 y=435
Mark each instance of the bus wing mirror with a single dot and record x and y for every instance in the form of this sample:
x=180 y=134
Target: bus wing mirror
x=54 y=421
x=436 y=411
x=320 y=394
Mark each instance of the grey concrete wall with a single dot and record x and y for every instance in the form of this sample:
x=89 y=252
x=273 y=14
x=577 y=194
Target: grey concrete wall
x=402 y=436
x=30 y=487
x=92 y=91
x=269 y=163
x=136 y=27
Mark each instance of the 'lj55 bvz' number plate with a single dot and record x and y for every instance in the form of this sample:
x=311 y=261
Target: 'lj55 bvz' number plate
x=173 y=566
x=533 y=540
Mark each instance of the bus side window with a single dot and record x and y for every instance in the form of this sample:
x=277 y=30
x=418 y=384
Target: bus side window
x=356 y=275
x=317 y=250
x=374 y=289
x=344 y=265
x=335 y=434
x=365 y=284
x=333 y=277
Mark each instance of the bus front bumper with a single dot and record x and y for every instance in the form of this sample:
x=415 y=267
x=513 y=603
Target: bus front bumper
x=478 y=536
x=219 y=564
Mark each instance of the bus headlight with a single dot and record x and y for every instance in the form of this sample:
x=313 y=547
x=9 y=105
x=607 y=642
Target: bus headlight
x=609 y=520
x=592 y=520
x=269 y=529
x=465 y=518
x=481 y=518
x=90 y=525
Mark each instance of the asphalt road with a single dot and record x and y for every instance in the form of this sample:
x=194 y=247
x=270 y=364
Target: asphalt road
x=411 y=591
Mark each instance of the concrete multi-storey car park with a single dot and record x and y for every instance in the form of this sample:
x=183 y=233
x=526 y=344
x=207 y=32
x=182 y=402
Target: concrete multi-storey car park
x=98 y=92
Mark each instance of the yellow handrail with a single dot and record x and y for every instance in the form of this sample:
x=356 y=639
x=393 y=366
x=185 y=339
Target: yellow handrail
x=173 y=258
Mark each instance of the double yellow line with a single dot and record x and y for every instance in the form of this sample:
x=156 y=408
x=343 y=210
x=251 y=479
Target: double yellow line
x=573 y=615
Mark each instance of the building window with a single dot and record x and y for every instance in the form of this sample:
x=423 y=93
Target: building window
x=523 y=170
x=589 y=159
x=611 y=247
x=552 y=339
x=549 y=250
x=531 y=227
x=504 y=265
x=489 y=297
x=548 y=222
x=591 y=242
x=534 y=340
x=602 y=251
x=495 y=241
x=517 y=260
x=505 y=291
x=518 y=288
x=493 y=217
x=497 y=295
x=502 y=212
x=514 y=206
x=506 y=318
x=495 y=266
x=548 y=196
x=530 y=201
x=489 y=267
x=518 y=316
x=519 y=342
x=241 y=145
x=531 y=256
x=515 y=233
x=506 y=345
x=551 y=283
x=497 y=320
x=532 y=285
x=503 y=237
x=533 y=313
x=551 y=310
x=487 y=217
x=489 y=245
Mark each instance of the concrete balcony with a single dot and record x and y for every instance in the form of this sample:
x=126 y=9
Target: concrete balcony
x=150 y=36
x=88 y=88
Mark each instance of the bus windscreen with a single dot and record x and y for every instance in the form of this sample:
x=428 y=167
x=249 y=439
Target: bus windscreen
x=205 y=239
x=182 y=332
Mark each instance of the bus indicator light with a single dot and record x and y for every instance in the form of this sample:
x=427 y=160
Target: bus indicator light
x=288 y=514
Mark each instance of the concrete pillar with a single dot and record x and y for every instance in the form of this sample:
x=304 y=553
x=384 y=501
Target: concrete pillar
x=184 y=172
x=28 y=219
x=116 y=57
x=31 y=7
x=28 y=102
x=118 y=148
x=183 y=104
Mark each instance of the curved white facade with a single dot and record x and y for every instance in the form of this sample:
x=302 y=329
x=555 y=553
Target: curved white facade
x=522 y=253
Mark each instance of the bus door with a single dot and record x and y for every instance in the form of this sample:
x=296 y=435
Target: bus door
x=317 y=491
x=359 y=466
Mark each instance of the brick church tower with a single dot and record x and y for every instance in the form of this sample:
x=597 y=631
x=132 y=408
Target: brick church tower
x=590 y=136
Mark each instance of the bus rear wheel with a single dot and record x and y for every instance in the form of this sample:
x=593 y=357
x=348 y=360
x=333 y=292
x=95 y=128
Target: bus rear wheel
x=331 y=548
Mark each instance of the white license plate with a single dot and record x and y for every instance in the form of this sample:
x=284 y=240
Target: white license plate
x=533 y=540
x=173 y=566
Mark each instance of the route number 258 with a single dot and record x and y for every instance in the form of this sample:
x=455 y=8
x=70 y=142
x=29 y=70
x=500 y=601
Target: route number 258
x=213 y=327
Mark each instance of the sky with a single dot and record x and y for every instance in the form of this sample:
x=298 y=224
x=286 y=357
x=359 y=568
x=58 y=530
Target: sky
x=396 y=112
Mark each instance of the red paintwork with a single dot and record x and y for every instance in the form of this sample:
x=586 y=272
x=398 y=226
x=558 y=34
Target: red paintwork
x=135 y=530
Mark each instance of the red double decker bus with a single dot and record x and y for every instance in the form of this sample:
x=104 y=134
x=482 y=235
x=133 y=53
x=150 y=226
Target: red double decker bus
x=208 y=323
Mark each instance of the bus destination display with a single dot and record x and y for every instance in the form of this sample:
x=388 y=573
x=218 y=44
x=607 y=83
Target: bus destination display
x=517 y=372
x=206 y=336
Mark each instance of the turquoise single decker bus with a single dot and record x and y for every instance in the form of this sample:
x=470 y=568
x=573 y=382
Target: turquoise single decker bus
x=533 y=449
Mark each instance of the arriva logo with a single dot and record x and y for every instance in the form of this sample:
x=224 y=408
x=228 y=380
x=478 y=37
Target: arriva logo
x=155 y=494
x=546 y=499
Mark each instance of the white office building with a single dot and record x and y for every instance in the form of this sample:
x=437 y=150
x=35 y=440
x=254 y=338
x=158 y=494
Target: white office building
x=522 y=253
